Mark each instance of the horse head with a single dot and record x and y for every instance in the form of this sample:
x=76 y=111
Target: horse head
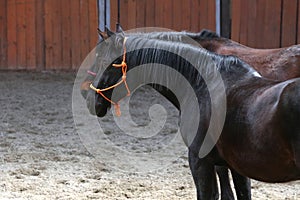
x=109 y=54
x=101 y=60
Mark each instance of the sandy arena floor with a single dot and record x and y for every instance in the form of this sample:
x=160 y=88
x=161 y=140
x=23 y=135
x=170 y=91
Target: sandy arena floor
x=42 y=156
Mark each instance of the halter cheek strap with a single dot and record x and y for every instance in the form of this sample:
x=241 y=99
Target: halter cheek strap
x=91 y=73
x=123 y=67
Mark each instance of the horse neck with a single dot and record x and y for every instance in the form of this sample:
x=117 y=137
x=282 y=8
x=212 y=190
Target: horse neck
x=182 y=68
x=224 y=46
x=230 y=75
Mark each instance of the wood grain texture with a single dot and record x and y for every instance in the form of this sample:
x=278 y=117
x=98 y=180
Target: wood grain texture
x=3 y=35
x=289 y=23
x=58 y=34
x=12 y=34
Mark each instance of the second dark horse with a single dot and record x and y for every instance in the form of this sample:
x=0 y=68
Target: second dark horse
x=260 y=138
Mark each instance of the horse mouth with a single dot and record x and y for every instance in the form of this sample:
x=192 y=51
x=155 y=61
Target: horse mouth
x=101 y=112
x=96 y=108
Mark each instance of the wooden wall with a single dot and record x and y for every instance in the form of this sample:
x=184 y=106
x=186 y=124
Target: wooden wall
x=58 y=34
x=177 y=15
x=266 y=23
x=46 y=34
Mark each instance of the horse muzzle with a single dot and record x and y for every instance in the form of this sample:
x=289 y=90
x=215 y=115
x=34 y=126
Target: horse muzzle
x=95 y=106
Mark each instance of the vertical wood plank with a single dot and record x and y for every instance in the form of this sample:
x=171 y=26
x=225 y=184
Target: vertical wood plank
x=150 y=13
x=84 y=30
x=75 y=33
x=243 y=24
x=57 y=35
x=48 y=34
x=289 y=23
x=195 y=24
x=186 y=18
x=203 y=14
x=177 y=15
x=272 y=24
x=236 y=19
x=93 y=22
x=66 y=34
x=131 y=9
x=159 y=13
x=252 y=26
x=11 y=34
x=21 y=34
x=212 y=15
x=167 y=14
x=124 y=14
x=30 y=35
x=260 y=23
x=3 y=35
x=40 y=35
x=140 y=13
x=113 y=14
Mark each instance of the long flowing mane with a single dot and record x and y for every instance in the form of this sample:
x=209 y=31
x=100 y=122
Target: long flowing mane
x=180 y=36
x=177 y=41
x=193 y=55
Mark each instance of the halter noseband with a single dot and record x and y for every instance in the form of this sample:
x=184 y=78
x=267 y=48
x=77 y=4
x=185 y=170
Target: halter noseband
x=123 y=66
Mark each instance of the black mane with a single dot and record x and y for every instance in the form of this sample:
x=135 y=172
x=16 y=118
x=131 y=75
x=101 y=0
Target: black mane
x=200 y=55
x=208 y=34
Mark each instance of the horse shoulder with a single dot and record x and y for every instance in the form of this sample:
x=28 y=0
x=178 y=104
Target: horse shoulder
x=289 y=103
x=261 y=140
x=289 y=108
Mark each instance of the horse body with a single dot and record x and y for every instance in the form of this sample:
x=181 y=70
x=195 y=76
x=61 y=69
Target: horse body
x=254 y=141
x=278 y=64
x=242 y=184
x=257 y=118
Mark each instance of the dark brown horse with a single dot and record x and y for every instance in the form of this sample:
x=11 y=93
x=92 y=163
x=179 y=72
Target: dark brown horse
x=278 y=64
x=260 y=138
x=242 y=184
x=213 y=42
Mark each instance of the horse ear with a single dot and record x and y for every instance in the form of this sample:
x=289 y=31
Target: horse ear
x=109 y=32
x=102 y=34
x=119 y=28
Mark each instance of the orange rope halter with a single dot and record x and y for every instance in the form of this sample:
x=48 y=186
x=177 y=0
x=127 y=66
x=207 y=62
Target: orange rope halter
x=123 y=66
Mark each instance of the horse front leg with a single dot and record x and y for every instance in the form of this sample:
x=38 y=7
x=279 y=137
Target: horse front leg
x=226 y=191
x=242 y=186
x=204 y=176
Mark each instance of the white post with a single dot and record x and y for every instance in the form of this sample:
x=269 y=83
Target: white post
x=218 y=17
x=103 y=14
